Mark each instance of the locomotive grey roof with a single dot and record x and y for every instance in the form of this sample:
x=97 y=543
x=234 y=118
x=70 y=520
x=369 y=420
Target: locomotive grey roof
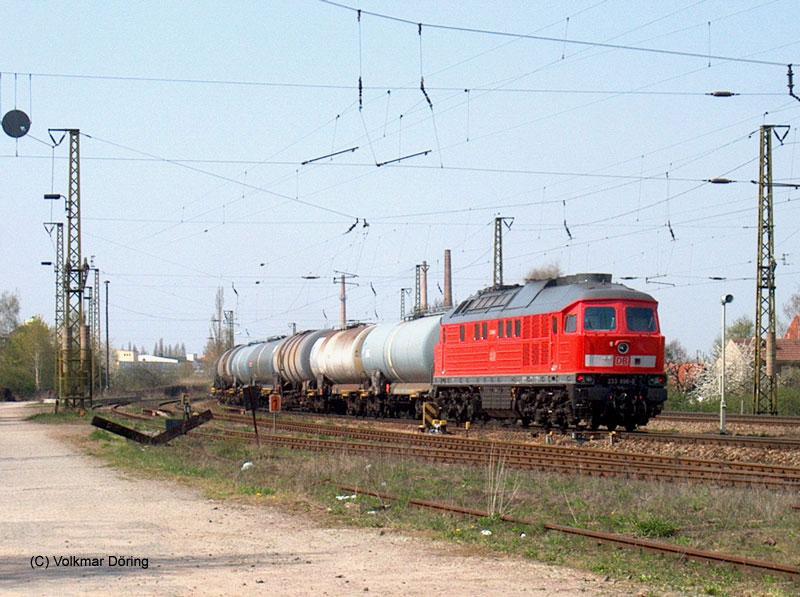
x=541 y=296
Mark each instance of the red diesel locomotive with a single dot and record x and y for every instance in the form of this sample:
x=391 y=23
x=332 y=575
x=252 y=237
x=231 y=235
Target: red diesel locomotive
x=571 y=351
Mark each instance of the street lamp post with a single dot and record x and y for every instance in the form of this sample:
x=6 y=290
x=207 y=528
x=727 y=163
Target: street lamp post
x=723 y=407
x=108 y=348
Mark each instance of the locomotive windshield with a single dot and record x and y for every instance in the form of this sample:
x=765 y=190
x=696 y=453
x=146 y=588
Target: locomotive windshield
x=640 y=319
x=600 y=319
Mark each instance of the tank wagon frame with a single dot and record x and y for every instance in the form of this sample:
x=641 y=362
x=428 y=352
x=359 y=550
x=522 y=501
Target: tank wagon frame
x=571 y=351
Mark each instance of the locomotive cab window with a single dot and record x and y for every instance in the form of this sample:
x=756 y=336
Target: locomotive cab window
x=640 y=319
x=600 y=319
x=570 y=323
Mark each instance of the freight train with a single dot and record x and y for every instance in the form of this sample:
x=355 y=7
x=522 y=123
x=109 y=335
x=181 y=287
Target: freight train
x=572 y=351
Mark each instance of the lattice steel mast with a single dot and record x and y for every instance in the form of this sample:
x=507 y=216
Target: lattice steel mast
x=765 y=387
x=58 y=266
x=497 y=276
x=96 y=331
x=75 y=361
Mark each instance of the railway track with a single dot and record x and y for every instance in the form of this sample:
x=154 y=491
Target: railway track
x=479 y=452
x=736 y=441
x=732 y=418
x=463 y=450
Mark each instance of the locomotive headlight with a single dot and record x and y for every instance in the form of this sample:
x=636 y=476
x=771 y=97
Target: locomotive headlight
x=584 y=379
x=658 y=380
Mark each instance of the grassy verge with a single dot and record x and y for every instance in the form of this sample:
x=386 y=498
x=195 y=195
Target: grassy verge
x=753 y=523
x=70 y=417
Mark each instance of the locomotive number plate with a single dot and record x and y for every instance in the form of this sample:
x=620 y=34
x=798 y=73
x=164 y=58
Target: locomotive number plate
x=622 y=361
x=620 y=381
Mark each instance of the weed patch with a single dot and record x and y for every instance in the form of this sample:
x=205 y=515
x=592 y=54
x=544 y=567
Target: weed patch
x=656 y=527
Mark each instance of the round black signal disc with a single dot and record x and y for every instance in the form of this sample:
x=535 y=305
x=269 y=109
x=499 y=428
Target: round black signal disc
x=16 y=124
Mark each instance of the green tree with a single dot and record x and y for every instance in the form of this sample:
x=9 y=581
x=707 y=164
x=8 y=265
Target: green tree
x=742 y=328
x=27 y=361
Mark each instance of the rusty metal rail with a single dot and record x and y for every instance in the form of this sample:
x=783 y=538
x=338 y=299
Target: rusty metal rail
x=612 y=538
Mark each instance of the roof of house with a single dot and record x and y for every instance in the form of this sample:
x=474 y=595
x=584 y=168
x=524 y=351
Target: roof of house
x=787 y=351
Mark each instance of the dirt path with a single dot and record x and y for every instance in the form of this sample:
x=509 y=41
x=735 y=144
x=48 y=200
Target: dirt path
x=59 y=502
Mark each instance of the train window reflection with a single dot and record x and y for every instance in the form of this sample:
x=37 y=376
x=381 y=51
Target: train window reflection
x=601 y=319
x=640 y=319
x=571 y=323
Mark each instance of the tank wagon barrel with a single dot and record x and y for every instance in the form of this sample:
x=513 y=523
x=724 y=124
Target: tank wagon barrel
x=292 y=359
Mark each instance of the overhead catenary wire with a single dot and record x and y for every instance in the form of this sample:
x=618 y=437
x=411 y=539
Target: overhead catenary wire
x=389 y=88
x=560 y=40
x=220 y=176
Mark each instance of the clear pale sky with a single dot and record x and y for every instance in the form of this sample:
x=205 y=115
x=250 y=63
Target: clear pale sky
x=193 y=181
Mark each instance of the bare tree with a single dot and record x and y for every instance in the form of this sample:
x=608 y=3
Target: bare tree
x=674 y=352
x=9 y=313
x=792 y=306
x=217 y=341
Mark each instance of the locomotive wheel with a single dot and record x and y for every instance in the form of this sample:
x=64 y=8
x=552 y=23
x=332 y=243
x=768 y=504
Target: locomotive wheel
x=630 y=426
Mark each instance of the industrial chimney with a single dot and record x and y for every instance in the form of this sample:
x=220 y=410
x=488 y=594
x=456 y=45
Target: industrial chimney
x=448 y=281
x=423 y=287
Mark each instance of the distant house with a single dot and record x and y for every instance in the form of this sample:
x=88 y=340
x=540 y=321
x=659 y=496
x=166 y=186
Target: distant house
x=126 y=356
x=787 y=349
x=130 y=358
x=149 y=358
